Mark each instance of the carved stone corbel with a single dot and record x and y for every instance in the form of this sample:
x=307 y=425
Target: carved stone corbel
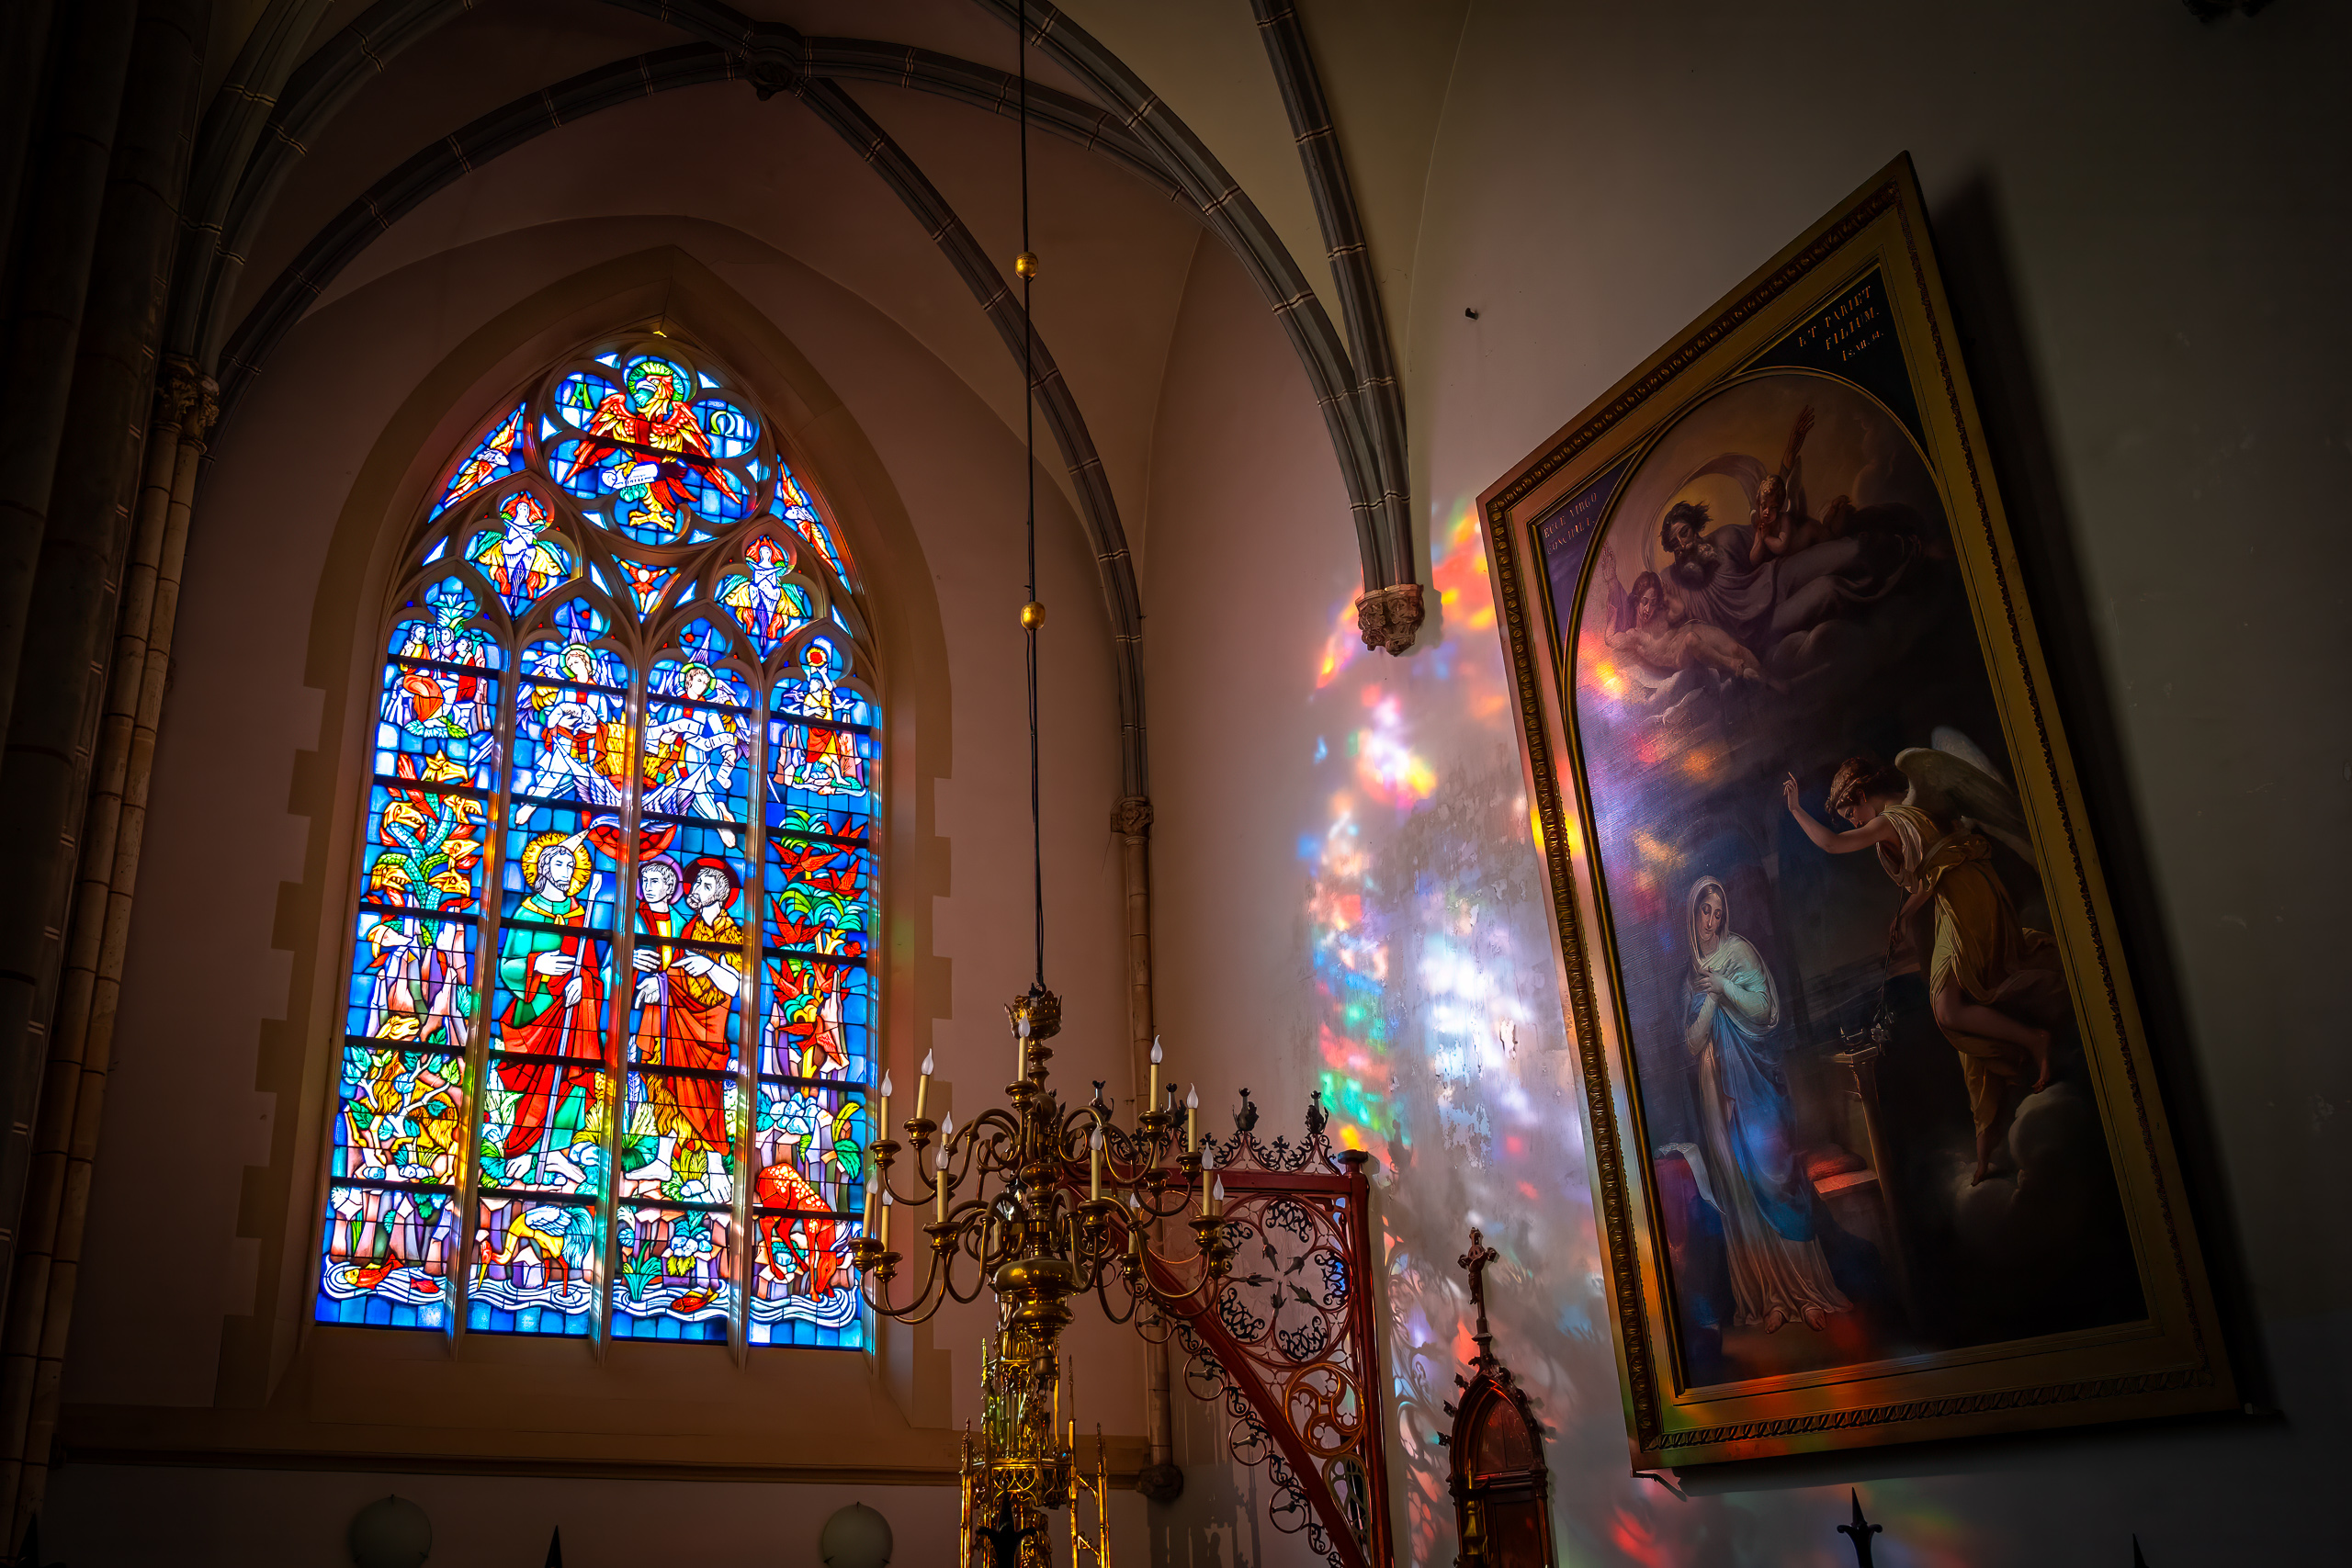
x=187 y=397
x=1390 y=617
x=1131 y=818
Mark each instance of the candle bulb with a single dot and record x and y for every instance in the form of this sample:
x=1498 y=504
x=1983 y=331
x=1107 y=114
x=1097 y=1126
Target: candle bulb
x=1151 y=1095
x=884 y=1120
x=922 y=1086
x=1191 y=1110
x=942 y=1183
x=1208 y=1164
x=1219 y=1198
x=1094 y=1151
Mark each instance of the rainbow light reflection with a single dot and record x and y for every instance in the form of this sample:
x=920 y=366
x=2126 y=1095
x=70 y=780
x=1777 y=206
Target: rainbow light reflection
x=1442 y=1050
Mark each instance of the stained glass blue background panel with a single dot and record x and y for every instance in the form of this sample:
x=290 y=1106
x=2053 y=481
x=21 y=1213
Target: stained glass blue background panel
x=677 y=1274
x=536 y=891
x=680 y=1141
x=819 y=896
x=807 y=1149
x=571 y=655
x=803 y=1289
x=497 y=456
x=579 y=395
x=728 y=426
x=543 y=1125
x=437 y=726
x=534 y=1268
x=820 y=1021
x=729 y=493
x=571 y=743
x=412 y=979
x=679 y=1017
x=400 y=1116
x=696 y=761
x=424 y=849
x=386 y=1263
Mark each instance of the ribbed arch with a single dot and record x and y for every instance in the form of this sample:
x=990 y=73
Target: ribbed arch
x=608 y=1028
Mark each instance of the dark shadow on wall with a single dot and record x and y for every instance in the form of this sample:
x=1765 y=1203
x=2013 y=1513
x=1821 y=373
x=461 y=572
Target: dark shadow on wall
x=1973 y=246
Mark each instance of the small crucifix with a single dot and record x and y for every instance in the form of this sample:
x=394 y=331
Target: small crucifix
x=1475 y=1261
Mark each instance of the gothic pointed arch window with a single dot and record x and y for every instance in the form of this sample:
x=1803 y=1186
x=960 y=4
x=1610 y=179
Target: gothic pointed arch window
x=610 y=1020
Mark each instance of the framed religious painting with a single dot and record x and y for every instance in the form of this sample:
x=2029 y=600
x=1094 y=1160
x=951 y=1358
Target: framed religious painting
x=1875 y=1143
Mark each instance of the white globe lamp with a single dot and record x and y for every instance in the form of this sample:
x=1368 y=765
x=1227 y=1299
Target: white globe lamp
x=855 y=1537
x=392 y=1532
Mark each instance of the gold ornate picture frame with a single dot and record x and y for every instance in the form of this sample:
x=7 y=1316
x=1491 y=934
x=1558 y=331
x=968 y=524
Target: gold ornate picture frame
x=1874 y=1143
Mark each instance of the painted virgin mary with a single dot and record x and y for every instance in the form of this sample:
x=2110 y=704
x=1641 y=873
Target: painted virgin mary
x=1731 y=1022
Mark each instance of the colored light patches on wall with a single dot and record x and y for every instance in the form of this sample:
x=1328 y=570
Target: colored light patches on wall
x=1386 y=766
x=1340 y=649
x=1369 y=860
x=1441 y=1047
x=1350 y=961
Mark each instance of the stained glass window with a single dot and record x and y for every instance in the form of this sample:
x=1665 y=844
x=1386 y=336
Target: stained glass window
x=609 y=1030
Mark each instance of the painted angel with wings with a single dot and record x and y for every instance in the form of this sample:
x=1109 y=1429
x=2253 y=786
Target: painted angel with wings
x=1994 y=985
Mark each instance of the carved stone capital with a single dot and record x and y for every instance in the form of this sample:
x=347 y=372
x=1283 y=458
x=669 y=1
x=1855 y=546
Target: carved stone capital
x=1132 y=816
x=186 y=397
x=1390 y=617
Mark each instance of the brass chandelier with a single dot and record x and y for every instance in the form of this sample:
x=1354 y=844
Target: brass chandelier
x=1035 y=1202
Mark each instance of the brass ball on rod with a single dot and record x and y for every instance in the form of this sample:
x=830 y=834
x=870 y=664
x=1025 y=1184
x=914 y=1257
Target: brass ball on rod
x=1025 y=264
x=1033 y=615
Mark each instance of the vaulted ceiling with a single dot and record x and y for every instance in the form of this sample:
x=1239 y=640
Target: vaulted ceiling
x=872 y=141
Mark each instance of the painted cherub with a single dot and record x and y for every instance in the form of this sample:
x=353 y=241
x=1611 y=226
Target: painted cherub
x=1652 y=634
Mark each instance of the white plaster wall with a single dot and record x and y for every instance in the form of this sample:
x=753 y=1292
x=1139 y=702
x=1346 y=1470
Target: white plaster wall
x=2143 y=222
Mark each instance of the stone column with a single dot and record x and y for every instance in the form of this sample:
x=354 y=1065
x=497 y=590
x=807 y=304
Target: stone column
x=56 y=228
x=32 y=1346
x=61 y=751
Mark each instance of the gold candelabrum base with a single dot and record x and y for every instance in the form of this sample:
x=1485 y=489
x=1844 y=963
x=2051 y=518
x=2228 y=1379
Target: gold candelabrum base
x=1038 y=1203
